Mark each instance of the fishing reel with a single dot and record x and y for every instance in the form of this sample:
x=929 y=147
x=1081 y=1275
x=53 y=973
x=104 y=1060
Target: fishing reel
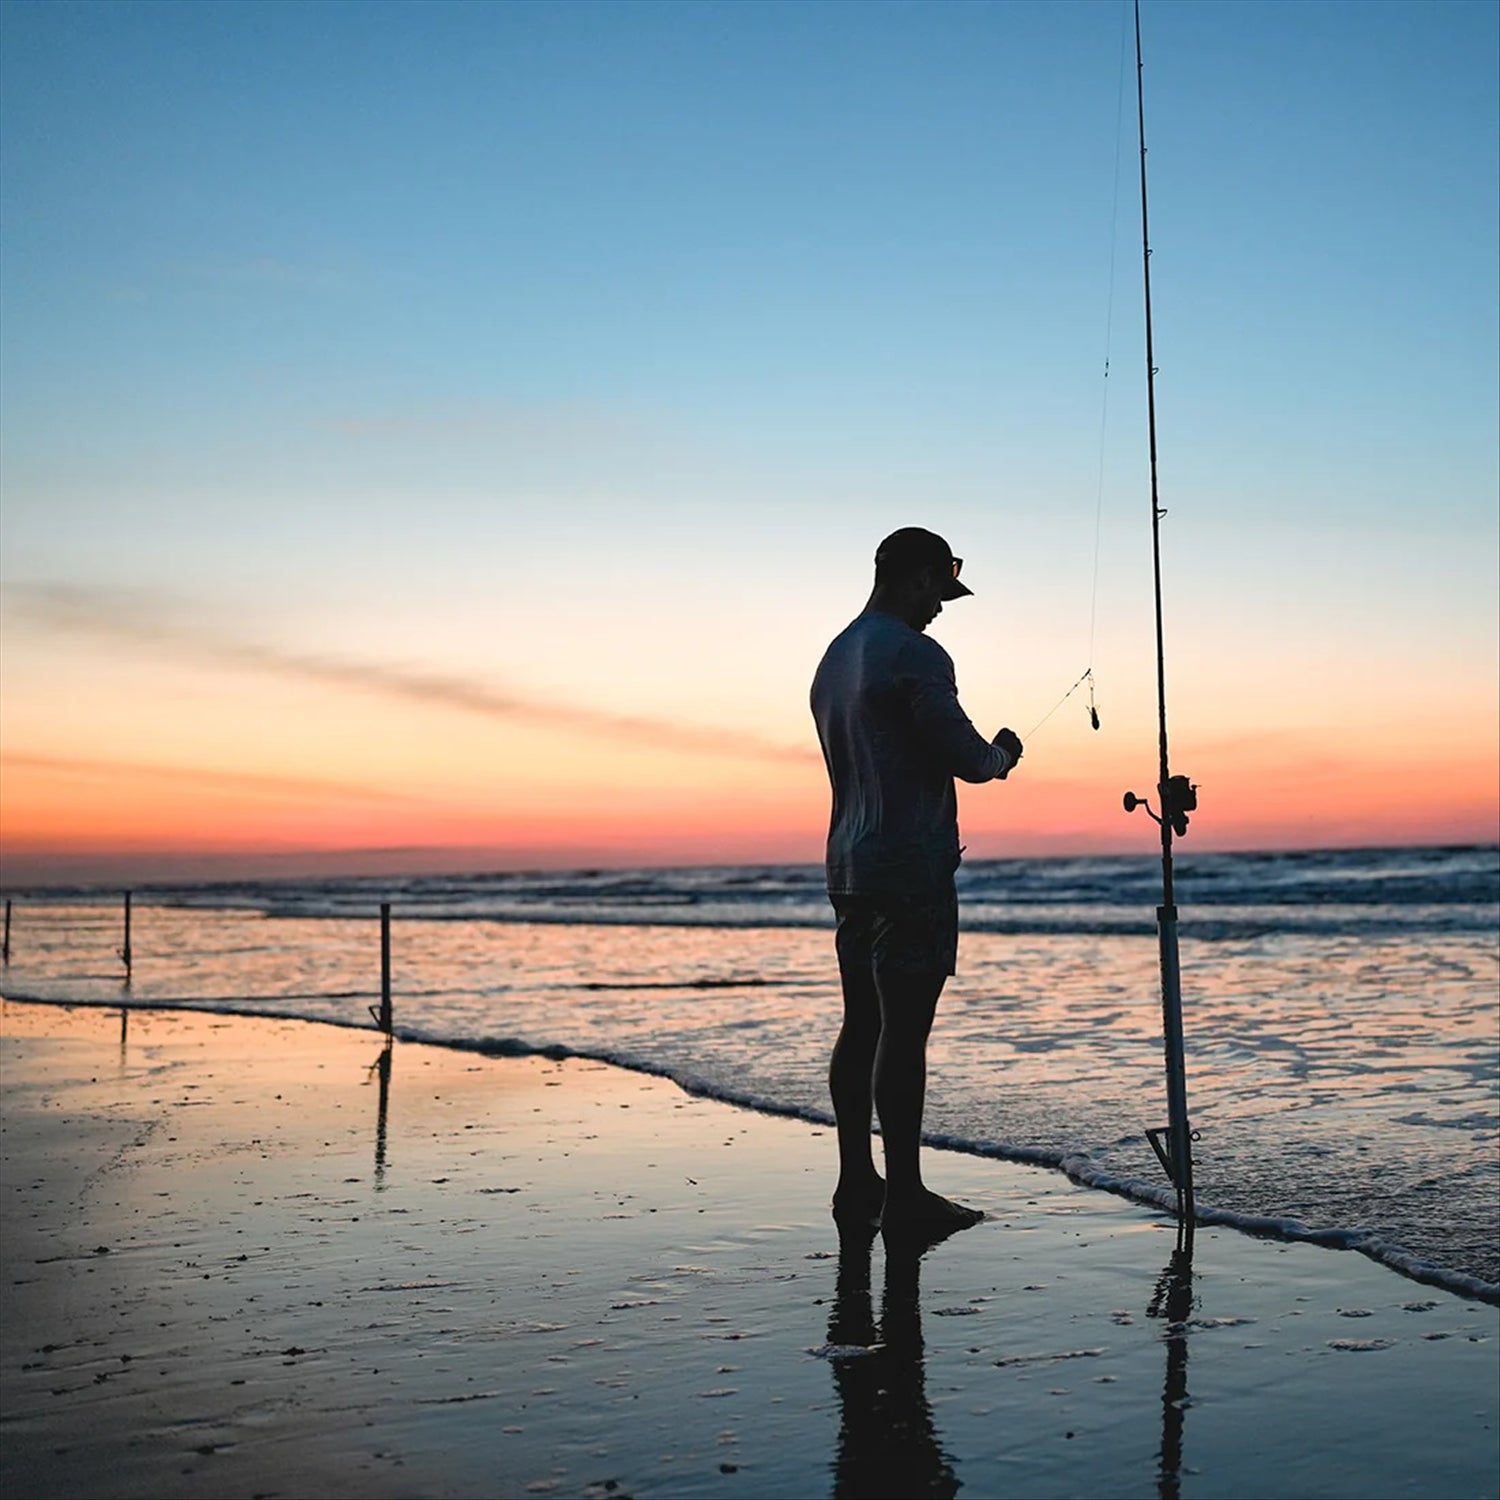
x=1179 y=797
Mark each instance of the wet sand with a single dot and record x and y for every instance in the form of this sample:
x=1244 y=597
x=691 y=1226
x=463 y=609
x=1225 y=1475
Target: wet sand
x=251 y=1257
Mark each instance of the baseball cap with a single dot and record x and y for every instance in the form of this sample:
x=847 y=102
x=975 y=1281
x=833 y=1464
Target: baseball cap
x=913 y=548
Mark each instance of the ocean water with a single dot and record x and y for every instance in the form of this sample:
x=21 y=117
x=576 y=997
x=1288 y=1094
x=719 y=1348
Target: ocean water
x=1340 y=1010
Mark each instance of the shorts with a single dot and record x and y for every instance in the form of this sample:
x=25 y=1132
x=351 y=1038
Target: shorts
x=899 y=934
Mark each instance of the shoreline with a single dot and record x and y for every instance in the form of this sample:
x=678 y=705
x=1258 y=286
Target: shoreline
x=1076 y=1168
x=250 y=1256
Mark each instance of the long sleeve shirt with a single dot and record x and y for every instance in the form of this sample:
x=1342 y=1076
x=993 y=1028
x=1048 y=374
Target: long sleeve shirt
x=894 y=738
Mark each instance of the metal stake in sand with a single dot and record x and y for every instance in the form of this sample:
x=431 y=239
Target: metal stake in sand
x=5 y=947
x=1178 y=796
x=383 y=1015
x=125 y=953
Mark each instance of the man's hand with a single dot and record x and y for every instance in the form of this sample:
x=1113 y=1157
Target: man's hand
x=1010 y=742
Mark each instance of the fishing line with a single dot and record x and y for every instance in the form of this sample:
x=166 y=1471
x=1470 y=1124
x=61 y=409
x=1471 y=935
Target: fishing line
x=1087 y=677
x=1109 y=320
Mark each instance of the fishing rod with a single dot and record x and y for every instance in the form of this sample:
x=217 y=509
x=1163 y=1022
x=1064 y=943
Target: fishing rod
x=1177 y=796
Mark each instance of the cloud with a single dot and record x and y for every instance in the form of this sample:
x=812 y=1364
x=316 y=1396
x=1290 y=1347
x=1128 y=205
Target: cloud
x=591 y=451
x=146 y=620
x=238 y=782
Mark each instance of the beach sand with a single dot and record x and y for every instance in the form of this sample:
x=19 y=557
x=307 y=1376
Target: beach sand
x=251 y=1257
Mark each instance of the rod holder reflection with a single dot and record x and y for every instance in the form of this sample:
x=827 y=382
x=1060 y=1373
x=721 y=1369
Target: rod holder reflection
x=381 y=1070
x=1173 y=1302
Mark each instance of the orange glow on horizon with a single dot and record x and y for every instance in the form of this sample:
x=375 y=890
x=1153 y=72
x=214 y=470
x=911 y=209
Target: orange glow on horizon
x=60 y=818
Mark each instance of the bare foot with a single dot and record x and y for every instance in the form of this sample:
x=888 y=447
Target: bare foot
x=926 y=1215
x=859 y=1199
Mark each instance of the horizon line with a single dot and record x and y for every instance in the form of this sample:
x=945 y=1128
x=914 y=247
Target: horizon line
x=163 y=878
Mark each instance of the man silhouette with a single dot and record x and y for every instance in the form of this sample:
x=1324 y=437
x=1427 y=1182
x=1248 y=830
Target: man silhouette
x=894 y=738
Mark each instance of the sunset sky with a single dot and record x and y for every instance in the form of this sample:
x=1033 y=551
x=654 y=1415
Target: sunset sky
x=445 y=436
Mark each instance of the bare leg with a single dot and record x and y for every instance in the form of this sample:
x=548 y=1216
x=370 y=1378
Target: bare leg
x=908 y=1002
x=850 y=1082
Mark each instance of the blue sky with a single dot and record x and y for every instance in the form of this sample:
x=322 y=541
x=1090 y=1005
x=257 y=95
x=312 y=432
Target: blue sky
x=573 y=348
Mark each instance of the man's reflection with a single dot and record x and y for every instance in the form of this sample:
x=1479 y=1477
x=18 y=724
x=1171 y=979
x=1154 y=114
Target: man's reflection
x=887 y=1445
x=1173 y=1301
x=382 y=1067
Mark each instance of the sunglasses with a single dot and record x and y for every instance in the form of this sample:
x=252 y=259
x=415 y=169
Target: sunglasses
x=958 y=566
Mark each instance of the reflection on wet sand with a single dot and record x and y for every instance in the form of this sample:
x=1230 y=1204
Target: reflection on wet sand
x=887 y=1444
x=381 y=1067
x=1173 y=1301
